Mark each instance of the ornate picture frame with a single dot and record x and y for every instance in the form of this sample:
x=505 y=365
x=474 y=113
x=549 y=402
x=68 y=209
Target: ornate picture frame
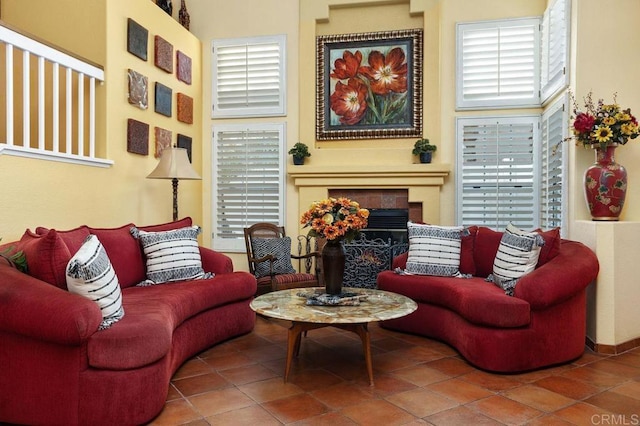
x=369 y=85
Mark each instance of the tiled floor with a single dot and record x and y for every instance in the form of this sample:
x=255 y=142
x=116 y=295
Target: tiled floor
x=417 y=381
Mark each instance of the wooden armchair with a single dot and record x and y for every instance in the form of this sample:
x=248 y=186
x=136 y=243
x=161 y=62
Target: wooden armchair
x=269 y=256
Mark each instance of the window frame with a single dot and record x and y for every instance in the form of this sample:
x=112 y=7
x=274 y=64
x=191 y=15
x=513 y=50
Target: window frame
x=237 y=244
x=217 y=111
x=557 y=11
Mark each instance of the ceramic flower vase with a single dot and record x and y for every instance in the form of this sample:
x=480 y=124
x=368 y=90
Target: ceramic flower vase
x=605 y=185
x=333 y=266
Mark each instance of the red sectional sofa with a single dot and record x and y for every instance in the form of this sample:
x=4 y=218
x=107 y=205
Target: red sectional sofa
x=543 y=324
x=58 y=368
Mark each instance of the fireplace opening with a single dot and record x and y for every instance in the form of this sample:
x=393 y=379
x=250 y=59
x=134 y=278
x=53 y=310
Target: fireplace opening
x=387 y=224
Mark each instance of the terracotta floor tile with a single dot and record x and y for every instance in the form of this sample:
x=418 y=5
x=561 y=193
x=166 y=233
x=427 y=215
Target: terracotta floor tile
x=594 y=377
x=460 y=391
x=342 y=395
x=549 y=420
x=173 y=393
x=175 y=413
x=199 y=422
x=220 y=401
x=630 y=389
x=228 y=360
x=384 y=384
x=313 y=379
x=492 y=382
x=200 y=384
x=582 y=414
x=247 y=374
x=612 y=367
x=253 y=415
x=451 y=366
x=265 y=353
x=193 y=367
x=629 y=358
x=268 y=390
x=421 y=402
x=420 y=375
x=538 y=398
x=376 y=413
x=505 y=410
x=588 y=357
x=616 y=403
x=391 y=361
x=420 y=354
x=461 y=416
x=327 y=419
x=532 y=376
x=295 y=408
x=570 y=388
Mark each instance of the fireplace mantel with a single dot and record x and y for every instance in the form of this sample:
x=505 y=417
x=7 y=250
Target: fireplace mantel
x=423 y=182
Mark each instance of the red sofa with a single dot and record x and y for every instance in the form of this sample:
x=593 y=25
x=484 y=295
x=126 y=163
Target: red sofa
x=57 y=368
x=543 y=324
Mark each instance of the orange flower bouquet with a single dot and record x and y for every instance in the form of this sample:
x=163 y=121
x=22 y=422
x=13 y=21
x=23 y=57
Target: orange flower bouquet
x=335 y=219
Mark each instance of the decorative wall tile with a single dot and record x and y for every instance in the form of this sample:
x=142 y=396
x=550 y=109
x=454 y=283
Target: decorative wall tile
x=163 y=140
x=138 y=89
x=163 y=99
x=137 y=37
x=163 y=54
x=137 y=137
x=185 y=108
x=183 y=70
x=185 y=142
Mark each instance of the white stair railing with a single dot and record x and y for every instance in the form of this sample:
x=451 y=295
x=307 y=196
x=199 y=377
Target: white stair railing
x=60 y=107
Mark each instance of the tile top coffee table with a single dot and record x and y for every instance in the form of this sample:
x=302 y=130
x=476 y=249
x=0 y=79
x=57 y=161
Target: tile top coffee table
x=287 y=305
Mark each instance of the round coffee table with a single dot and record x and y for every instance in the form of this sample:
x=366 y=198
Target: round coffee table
x=287 y=305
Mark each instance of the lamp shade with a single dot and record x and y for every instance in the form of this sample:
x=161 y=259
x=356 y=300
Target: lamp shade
x=174 y=164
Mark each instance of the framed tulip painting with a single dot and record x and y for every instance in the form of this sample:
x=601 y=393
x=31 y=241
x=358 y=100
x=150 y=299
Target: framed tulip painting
x=369 y=85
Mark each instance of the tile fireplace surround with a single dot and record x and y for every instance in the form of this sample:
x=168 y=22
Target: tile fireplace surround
x=422 y=181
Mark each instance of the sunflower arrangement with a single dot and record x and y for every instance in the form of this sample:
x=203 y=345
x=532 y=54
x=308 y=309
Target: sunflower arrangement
x=335 y=219
x=601 y=125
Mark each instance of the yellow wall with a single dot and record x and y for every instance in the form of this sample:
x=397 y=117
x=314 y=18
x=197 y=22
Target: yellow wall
x=60 y=195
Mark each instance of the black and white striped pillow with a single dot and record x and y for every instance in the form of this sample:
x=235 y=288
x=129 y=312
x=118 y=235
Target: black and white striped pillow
x=89 y=273
x=171 y=255
x=434 y=250
x=517 y=256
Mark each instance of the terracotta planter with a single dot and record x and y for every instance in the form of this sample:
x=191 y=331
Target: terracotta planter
x=605 y=185
x=333 y=266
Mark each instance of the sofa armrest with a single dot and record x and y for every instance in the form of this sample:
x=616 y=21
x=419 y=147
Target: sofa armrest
x=41 y=311
x=566 y=275
x=216 y=262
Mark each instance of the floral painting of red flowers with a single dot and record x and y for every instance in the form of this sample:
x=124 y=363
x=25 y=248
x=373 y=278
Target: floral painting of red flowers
x=369 y=85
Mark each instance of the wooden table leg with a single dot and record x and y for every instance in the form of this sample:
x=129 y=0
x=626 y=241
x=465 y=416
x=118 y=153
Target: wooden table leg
x=363 y=331
x=293 y=341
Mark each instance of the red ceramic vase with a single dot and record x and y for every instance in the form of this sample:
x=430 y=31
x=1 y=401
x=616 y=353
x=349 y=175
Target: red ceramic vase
x=605 y=185
x=333 y=262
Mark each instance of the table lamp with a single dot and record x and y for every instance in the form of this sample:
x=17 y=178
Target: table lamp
x=174 y=164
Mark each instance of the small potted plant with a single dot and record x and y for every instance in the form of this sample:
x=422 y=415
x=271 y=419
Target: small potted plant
x=424 y=150
x=299 y=152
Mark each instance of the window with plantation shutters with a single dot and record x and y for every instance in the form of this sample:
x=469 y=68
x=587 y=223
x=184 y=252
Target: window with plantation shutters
x=553 y=167
x=249 y=77
x=497 y=171
x=555 y=48
x=498 y=64
x=248 y=180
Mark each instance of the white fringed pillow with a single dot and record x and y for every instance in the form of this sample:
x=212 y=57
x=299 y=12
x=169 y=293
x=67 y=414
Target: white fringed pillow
x=89 y=273
x=517 y=256
x=434 y=250
x=171 y=255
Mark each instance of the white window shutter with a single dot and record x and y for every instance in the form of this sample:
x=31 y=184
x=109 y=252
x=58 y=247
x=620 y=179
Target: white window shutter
x=248 y=180
x=498 y=64
x=555 y=48
x=497 y=165
x=249 y=77
x=553 y=166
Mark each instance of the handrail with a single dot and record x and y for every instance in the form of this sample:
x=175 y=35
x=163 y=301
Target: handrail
x=76 y=72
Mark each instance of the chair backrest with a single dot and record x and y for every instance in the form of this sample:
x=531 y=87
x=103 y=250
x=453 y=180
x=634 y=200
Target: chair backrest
x=260 y=230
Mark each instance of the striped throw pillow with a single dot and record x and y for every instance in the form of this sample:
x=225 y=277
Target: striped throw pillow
x=171 y=255
x=434 y=250
x=517 y=256
x=89 y=273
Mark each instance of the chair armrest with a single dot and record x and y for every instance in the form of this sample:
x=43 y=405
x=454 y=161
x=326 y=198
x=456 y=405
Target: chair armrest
x=316 y=254
x=38 y=310
x=564 y=276
x=216 y=262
